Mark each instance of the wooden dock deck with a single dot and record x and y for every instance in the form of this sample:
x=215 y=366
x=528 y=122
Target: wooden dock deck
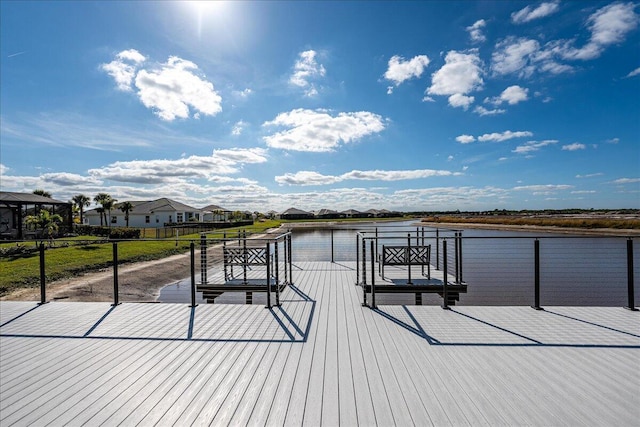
x=319 y=359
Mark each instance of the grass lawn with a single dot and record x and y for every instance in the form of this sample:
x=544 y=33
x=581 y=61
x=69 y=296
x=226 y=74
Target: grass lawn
x=72 y=256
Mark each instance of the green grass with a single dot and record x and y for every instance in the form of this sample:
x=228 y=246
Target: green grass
x=73 y=256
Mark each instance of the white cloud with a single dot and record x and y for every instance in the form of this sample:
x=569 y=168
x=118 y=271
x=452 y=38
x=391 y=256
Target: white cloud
x=123 y=68
x=465 y=139
x=532 y=146
x=514 y=55
x=3 y=169
x=238 y=128
x=590 y=175
x=613 y=141
x=544 y=189
x=173 y=88
x=634 y=72
x=480 y=110
x=400 y=70
x=305 y=71
x=503 y=136
x=221 y=162
x=318 y=131
x=69 y=179
x=461 y=74
x=459 y=100
x=514 y=94
x=608 y=25
x=574 y=147
x=315 y=178
x=170 y=89
x=626 y=180
x=475 y=31
x=528 y=14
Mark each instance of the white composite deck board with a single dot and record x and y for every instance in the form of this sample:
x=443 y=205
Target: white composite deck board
x=284 y=397
x=320 y=359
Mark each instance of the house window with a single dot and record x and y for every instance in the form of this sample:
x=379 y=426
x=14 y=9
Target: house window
x=170 y=218
x=147 y=219
x=197 y=217
x=114 y=220
x=179 y=217
x=189 y=216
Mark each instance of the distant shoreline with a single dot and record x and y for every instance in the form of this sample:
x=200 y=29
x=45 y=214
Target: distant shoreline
x=468 y=225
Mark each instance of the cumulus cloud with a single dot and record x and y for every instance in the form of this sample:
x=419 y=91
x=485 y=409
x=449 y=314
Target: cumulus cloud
x=513 y=95
x=465 y=139
x=503 y=136
x=170 y=89
x=532 y=146
x=461 y=73
x=306 y=71
x=315 y=178
x=529 y=14
x=238 y=128
x=319 y=131
x=514 y=55
x=475 y=31
x=69 y=179
x=460 y=100
x=221 y=162
x=123 y=68
x=400 y=70
x=574 y=147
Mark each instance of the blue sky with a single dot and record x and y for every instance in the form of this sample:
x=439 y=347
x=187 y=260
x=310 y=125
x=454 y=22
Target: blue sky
x=267 y=105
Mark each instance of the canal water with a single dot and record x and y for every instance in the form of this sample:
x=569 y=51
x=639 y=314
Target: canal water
x=498 y=266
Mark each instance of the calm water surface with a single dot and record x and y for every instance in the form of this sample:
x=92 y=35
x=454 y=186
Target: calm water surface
x=498 y=266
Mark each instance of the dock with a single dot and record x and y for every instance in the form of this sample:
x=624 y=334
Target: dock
x=320 y=358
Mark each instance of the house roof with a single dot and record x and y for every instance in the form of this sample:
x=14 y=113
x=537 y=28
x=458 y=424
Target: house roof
x=159 y=205
x=28 y=198
x=351 y=212
x=322 y=212
x=212 y=208
x=295 y=211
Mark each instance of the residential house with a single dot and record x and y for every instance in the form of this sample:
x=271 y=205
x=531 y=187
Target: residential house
x=293 y=213
x=149 y=214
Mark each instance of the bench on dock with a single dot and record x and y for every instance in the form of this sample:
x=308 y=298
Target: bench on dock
x=246 y=258
x=405 y=255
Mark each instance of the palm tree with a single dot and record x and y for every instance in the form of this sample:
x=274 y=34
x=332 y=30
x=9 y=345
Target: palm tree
x=42 y=193
x=126 y=208
x=106 y=201
x=100 y=212
x=81 y=202
x=108 y=205
x=45 y=221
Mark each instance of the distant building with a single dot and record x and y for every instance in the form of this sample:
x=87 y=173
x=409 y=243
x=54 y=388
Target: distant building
x=216 y=213
x=352 y=213
x=328 y=214
x=293 y=213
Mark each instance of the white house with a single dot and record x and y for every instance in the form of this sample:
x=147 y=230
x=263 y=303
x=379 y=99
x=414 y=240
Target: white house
x=151 y=214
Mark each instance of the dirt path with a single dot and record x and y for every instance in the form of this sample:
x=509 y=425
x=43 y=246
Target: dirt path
x=137 y=282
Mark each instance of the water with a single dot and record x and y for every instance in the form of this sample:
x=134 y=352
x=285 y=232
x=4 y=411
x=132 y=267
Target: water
x=498 y=266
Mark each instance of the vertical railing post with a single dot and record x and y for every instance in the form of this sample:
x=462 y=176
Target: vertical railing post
x=268 y=253
x=455 y=244
x=373 y=274
x=43 y=282
x=407 y=259
x=357 y=258
x=275 y=245
x=364 y=272
x=286 y=258
x=377 y=243
x=245 y=260
x=203 y=259
x=115 y=275
x=332 y=259
x=536 y=275
x=290 y=260
x=445 y=277
x=437 y=249
x=192 y=262
x=630 y=284
x=460 y=256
